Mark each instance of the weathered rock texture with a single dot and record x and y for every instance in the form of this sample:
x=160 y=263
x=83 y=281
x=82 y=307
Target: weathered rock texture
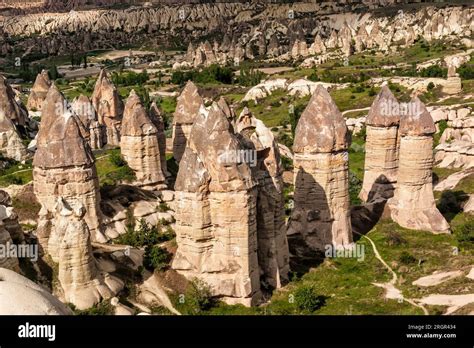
x=273 y=256
x=413 y=205
x=21 y=296
x=157 y=119
x=381 y=147
x=6 y=241
x=64 y=167
x=39 y=91
x=11 y=145
x=216 y=222
x=321 y=214
x=70 y=246
x=109 y=108
x=90 y=127
x=139 y=144
x=187 y=108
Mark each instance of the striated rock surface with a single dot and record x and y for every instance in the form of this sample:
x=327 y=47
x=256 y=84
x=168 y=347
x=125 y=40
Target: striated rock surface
x=21 y=296
x=321 y=214
x=70 y=246
x=216 y=223
x=64 y=167
x=90 y=127
x=381 y=147
x=11 y=145
x=11 y=104
x=157 y=119
x=39 y=91
x=140 y=146
x=187 y=108
x=109 y=108
x=273 y=256
x=413 y=205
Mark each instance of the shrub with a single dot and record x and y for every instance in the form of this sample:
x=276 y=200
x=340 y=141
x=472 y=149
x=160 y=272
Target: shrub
x=406 y=258
x=307 y=298
x=116 y=158
x=465 y=232
x=163 y=207
x=198 y=297
x=156 y=257
x=430 y=86
x=372 y=92
x=433 y=71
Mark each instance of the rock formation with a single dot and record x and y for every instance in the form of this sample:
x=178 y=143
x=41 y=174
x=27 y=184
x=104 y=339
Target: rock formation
x=11 y=104
x=70 y=246
x=413 y=205
x=381 y=147
x=140 y=146
x=11 y=145
x=157 y=119
x=109 y=108
x=90 y=127
x=39 y=91
x=187 y=108
x=321 y=214
x=21 y=296
x=216 y=222
x=6 y=241
x=64 y=167
x=273 y=255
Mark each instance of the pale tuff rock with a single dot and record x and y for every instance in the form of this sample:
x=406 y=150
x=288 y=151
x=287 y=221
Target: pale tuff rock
x=273 y=254
x=187 y=108
x=11 y=145
x=460 y=126
x=456 y=154
x=381 y=148
x=321 y=214
x=361 y=38
x=303 y=87
x=318 y=46
x=39 y=91
x=216 y=223
x=264 y=89
x=21 y=296
x=70 y=246
x=11 y=105
x=109 y=108
x=139 y=144
x=413 y=205
x=64 y=166
x=6 y=241
x=90 y=127
x=299 y=49
x=157 y=119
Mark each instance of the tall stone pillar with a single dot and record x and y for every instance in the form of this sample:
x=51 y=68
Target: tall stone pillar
x=381 y=147
x=321 y=214
x=187 y=108
x=38 y=91
x=139 y=145
x=64 y=166
x=216 y=224
x=109 y=108
x=413 y=205
x=157 y=119
x=273 y=256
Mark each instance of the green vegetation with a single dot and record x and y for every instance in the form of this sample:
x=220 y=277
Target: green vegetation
x=15 y=173
x=249 y=77
x=113 y=169
x=197 y=299
x=156 y=257
x=145 y=235
x=307 y=298
x=129 y=78
x=212 y=74
x=102 y=308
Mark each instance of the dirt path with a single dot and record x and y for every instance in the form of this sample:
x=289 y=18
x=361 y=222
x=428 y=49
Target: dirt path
x=392 y=292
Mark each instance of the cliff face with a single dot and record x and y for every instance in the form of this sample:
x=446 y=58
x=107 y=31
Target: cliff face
x=253 y=28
